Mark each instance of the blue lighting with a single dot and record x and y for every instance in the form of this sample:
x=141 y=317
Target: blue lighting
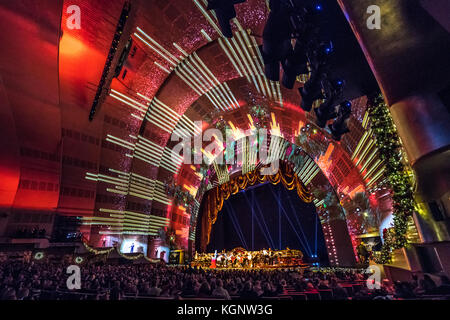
x=348 y=104
x=318 y=7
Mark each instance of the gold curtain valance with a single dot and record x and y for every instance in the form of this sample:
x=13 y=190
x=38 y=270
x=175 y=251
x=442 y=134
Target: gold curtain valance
x=215 y=198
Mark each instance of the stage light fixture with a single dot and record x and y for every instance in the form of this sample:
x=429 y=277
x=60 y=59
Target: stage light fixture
x=225 y=11
x=327 y=111
x=312 y=90
x=295 y=65
x=338 y=86
x=276 y=39
x=339 y=127
x=321 y=54
x=318 y=57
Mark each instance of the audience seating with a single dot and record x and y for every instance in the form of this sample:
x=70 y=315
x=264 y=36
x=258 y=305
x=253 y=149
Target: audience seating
x=312 y=295
x=132 y=282
x=326 y=294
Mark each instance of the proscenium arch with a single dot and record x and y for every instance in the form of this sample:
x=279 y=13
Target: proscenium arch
x=163 y=174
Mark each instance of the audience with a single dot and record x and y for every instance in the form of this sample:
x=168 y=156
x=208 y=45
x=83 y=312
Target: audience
x=46 y=281
x=220 y=292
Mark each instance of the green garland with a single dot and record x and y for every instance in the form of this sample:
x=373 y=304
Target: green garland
x=398 y=180
x=96 y=252
x=107 y=251
x=386 y=250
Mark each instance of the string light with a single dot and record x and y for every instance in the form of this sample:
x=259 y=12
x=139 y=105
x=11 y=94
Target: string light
x=39 y=255
x=79 y=260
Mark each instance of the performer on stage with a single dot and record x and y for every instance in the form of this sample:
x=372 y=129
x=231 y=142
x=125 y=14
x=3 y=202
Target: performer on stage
x=250 y=259
x=219 y=260
x=213 y=261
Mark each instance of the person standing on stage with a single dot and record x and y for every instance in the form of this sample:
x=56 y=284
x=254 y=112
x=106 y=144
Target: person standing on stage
x=270 y=257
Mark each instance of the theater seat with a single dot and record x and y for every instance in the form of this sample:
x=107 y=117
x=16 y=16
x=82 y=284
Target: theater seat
x=326 y=294
x=313 y=295
x=299 y=297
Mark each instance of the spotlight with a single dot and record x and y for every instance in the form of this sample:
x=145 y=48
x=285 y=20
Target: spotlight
x=339 y=126
x=225 y=11
x=295 y=65
x=324 y=52
x=312 y=90
x=318 y=57
x=298 y=19
x=327 y=110
x=276 y=40
x=337 y=86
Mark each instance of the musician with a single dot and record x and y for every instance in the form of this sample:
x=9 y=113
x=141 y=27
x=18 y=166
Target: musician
x=249 y=259
x=265 y=258
x=244 y=261
x=228 y=260
x=271 y=258
x=219 y=260
x=363 y=253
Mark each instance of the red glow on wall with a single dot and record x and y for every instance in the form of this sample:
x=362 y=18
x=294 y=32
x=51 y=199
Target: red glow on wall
x=71 y=46
x=8 y=186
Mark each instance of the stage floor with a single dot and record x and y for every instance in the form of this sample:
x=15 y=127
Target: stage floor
x=277 y=267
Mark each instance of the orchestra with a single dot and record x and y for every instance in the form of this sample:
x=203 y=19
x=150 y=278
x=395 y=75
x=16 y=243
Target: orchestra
x=240 y=258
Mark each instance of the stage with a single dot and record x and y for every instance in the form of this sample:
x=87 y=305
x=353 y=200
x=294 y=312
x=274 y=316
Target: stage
x=260 y=268
x=241 y=259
